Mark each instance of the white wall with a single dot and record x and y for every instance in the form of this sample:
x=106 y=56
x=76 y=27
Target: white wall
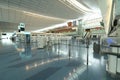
x=106 y=7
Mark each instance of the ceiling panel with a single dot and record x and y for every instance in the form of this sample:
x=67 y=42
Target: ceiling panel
x=14 y=12
x=45 y=7
x=4 y=15
x=5 y=25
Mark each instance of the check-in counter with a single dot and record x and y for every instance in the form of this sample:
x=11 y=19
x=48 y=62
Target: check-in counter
x=41 y=41
x=113 y=64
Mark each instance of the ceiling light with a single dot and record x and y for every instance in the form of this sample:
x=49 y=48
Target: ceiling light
x=76 y=5
x=38 y=15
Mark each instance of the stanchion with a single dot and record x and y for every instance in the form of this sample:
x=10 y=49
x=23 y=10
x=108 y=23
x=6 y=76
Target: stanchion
x=87 y=55
x=69 y=49
x=58 y=48
x=87 y=46
x=117 y=62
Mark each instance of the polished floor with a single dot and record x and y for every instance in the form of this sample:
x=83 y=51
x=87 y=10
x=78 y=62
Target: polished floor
x=63 y=61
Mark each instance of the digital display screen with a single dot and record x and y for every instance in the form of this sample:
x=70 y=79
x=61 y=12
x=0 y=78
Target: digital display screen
x=22 y=29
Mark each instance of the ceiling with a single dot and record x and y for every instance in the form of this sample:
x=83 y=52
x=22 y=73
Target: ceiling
x=39 y=14
x=117 y=7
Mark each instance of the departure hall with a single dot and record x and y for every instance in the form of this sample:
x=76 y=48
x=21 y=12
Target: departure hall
x=59 y=40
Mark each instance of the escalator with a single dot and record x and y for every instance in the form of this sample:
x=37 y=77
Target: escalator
x=87 y=35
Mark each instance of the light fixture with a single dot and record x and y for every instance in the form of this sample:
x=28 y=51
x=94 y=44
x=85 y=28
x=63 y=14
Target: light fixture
x=74 y=4
x=39 y=15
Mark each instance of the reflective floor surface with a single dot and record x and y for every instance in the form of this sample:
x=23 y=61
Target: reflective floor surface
x=63 y=61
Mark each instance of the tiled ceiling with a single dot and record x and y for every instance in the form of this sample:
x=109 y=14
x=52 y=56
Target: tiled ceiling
x=12 y=11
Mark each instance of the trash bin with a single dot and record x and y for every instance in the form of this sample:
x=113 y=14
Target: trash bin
x=96 y=47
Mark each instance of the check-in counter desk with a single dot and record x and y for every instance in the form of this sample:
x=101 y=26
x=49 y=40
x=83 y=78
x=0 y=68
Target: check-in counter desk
x=113 y=64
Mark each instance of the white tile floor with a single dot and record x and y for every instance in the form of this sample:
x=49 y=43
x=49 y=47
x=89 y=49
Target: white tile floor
x=19 y=61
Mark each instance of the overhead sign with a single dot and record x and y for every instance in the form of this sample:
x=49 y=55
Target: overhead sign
x=21 y=27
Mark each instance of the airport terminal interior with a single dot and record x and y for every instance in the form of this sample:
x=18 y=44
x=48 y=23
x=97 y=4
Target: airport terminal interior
x=59 y=40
